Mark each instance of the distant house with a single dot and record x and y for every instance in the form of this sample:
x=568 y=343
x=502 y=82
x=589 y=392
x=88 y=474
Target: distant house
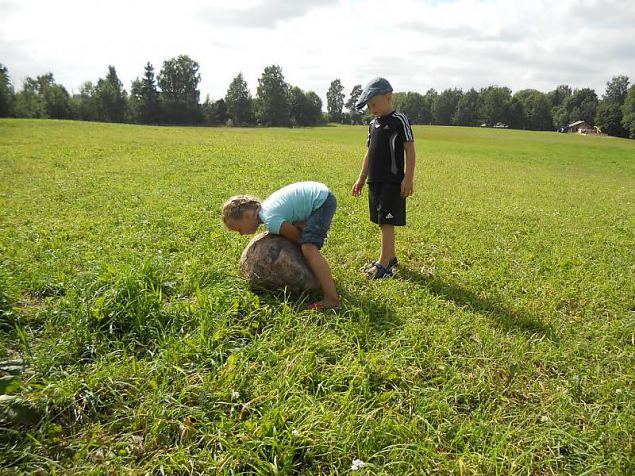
x=582 y=127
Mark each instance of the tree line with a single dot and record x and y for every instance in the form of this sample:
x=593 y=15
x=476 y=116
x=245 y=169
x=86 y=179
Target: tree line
x=169 y=97
x=172 y=97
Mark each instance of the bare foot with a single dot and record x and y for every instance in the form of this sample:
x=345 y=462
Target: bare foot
x=325 y=304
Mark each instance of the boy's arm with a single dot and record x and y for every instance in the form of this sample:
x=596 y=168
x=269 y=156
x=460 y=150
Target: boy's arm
x=290 y=232
x=359 y=184
x=407 y=182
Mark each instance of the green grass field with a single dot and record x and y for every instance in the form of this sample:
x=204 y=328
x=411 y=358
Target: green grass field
x=129 y=344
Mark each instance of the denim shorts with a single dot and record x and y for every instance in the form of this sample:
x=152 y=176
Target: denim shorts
x=319 y=222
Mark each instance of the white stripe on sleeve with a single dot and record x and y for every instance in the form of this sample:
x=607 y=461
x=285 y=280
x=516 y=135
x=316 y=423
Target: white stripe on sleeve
x=408 y=137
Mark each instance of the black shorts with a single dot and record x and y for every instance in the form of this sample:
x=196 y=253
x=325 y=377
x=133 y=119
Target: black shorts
x=385 y=203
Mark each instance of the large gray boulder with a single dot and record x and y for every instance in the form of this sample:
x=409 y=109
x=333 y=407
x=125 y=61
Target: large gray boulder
x=272 y=262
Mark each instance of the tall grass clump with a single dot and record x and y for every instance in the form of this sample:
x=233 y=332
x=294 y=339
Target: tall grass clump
x=7 y=314
x=125 y=303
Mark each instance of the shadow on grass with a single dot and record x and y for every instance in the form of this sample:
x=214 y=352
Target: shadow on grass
x=381 y=318
x=507 y=319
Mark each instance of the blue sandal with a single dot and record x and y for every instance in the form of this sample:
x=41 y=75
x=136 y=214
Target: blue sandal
x=381 y=271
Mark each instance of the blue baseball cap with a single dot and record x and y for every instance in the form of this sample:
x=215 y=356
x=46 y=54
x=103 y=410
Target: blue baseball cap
x=375 y=87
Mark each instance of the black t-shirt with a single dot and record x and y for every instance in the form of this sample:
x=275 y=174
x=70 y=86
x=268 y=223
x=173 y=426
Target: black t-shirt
x=386 y=137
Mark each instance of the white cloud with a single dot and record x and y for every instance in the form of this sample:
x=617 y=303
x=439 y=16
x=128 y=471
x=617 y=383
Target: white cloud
x=416 y=44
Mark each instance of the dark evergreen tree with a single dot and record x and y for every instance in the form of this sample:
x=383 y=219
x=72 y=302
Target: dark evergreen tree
x=111 y=100
x=354 y=114
x=239 y=102
x=145 y=105
x=7 y=94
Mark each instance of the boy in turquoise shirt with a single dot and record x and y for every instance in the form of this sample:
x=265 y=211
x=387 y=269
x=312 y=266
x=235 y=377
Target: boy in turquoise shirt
x=301 y=212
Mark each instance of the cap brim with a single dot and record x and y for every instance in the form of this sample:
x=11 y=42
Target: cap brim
x=361 y=105
x=368 y=96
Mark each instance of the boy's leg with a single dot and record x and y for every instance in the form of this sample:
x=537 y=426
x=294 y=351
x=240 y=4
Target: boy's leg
x=322 y=271
x=311 y=241
x=387 y=209
x=387 y=244
x=387 y=247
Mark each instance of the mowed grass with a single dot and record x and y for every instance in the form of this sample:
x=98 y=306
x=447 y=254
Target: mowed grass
x=129 y=344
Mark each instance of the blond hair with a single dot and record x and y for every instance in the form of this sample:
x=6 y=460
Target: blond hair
x=234 y=208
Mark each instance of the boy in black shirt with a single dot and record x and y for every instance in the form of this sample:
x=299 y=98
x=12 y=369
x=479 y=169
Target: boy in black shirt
x=389 y=179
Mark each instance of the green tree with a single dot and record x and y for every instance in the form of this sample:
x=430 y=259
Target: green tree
x=582 y=105
x=355 y=93
x=413 y=105
x=355 y=115
x=628 y=112
x=215 y=112
x=558 y=95
x=58 y=102
x=494 y=106
x=467 y=109
x=299 y=106
x=84 y=103
x=178 y=81
x=560 y=116
x=559 y=113
x=306 y=108
x=7 y=94
x=616 y=90
x=431 y=96
x=445 y=106
x=608 y=116
x=239 y=102
x=537 y=110
x=145 y=105
x=29 y=102
x=335 y=100
x=315 y=109
x=272 y=98
x=110 y=98
x=43 y=98
x=516 y=114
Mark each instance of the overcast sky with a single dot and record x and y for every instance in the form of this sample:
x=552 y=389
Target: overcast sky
x=416 y=44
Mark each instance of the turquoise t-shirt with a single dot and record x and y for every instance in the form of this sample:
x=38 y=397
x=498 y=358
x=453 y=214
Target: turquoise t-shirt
x=294 y=202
